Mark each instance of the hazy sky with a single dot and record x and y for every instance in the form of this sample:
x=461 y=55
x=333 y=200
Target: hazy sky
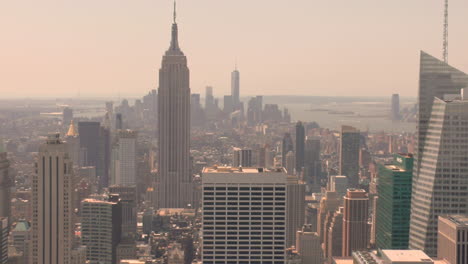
x=302 y=47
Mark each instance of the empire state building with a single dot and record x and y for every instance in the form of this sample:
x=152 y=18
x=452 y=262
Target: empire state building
x=175 y=182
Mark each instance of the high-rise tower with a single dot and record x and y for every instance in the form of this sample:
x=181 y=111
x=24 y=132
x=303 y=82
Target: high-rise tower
x=174 y=187
x=52 y=230
x=436 y=79
x=5 y=183
x=235 y=88
x=349 y=154
x=300 y=146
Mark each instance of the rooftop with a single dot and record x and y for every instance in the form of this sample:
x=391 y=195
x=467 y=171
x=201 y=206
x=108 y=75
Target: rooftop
x=229 y=169
x=459 y=220
x=406 y=256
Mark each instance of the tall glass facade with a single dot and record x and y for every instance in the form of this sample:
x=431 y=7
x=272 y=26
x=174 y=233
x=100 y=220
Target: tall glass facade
x=393 y=206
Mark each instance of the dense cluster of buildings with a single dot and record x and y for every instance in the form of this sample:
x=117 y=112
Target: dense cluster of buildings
x=169 y=181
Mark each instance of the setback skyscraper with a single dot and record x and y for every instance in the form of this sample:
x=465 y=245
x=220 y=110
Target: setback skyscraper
x=52 y=229
x=355 y=217
x=174 y=186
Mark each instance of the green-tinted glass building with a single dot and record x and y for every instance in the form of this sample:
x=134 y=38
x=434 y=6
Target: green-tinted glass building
x=394 y=203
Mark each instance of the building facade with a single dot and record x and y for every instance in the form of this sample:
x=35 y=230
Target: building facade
x=52 y=227
x=355 y=221
x=349 y=154
x=244 y=215
x=442 y=164
x=453 y=238
x=175 y=181
x=394 y=203
x=101 y=230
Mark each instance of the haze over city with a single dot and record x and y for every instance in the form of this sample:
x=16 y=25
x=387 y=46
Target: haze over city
x=234 y=132
x=322 y=48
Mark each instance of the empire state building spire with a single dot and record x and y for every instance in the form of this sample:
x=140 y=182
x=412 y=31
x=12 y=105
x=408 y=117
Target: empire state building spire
x=175 y=35
x=174 y=187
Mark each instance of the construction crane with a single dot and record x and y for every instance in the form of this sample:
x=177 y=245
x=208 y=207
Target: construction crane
x=445 y=41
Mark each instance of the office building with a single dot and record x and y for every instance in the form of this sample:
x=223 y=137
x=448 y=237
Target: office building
x=349 y=154
x=295 y=203
x=244 y=215
x=4 y=229
x=5 y=184
x=89 y=142
x=452 y=242
x=290 y=163
x=300 y=146
x=52 y=227
x=355 y=221
x=128 y=199
x=338 y=184
x=443 y=164
x=308 y=245
x=334 y=245
x=235 y=88
x=21 y=239
x=175 y=181
x=124 y=159
x=254 y=111
x=312 y=164
x=242 y=157
x=209 y=98
x=286 y=147
x=395 y=111
x=394 y=204
x=101 y=227
x=328 y=205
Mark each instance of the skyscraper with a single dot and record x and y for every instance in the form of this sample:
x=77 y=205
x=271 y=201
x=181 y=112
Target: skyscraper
x=349 y=154
x=334 y=247
x=295 y=202
x=235 y=89
x=52 y=229
x=242 y=157
x=89 y=141
x=128 y=199
x=300 y=146
x=355 y=217
x=308 y=245
x=395 y=114
x=124 y=159
x=312 y=164
x=4 y=229
x=290 y=163
x=250 y=226
x=101 y=229
x=442 y=164
x=5 y=184
x=286 y=147
x=436 y=79
x=174 y=187
x=393 y=207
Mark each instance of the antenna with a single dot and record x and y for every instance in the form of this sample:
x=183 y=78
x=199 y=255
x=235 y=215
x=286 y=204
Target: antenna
x=445 y=43
x=175 y=14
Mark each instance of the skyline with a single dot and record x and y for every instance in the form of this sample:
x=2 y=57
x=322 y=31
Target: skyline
x=124 y=43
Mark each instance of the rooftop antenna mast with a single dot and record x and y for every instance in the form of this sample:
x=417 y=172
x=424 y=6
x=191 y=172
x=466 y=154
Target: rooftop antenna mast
x=445 y=43
x=175 y=14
